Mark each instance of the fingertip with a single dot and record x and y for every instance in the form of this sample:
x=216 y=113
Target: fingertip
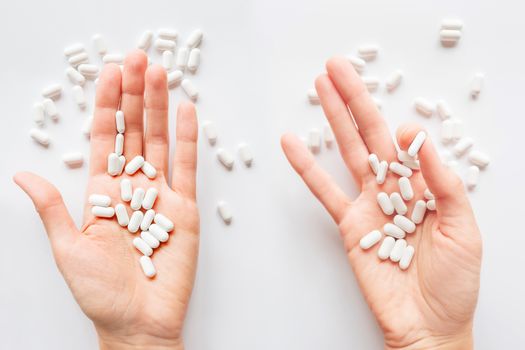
x=335 y=62
x=187 y=124
x=156 y=76
x=136 y=61
x=288 y=140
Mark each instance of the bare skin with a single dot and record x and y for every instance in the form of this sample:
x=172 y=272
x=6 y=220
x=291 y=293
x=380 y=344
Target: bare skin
x=99 y=262
x=431 y=305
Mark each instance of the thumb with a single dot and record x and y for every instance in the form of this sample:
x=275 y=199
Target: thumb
x=48 y=202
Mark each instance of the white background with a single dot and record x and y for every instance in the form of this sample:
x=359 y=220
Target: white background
x=277 y=278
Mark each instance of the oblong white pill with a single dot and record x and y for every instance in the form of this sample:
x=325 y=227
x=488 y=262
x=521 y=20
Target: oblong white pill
x=40 y=136
x=119 y=144
x=477 y=85
x=73 y=159
x=398 y=203
x=225 y=158
x=451 y=23
x=400 y=169
x=149 y=170
x=120 y=122
x=79 y=96
x=100 y=200
x=428 y=195
x=145 y=39
x=164 y=45
x=149 y=198
x=39 y=114
x=371 y=83
x=403 y=156
x=313 y=97
x=359 y=64
x=370 y=239
x=397 y=251
x=126 y=191
x=418 y=213
x=431 y=205
x=52 y=91
x=168 y=34
x=75 y=77
x=150 y=239
x=405 y=188
x=74 y=49
x=381 y=172
x=447 y=131
x=472 y=177
x=463 y=146
x=113 y=164
x=102 y=212
x=458 y=129
x=167 y=60
x=163 y=222
x=147 y=266
x=385 y=203
x=449 y=35
x=424 y=107
x=182 y=58
x=134 y=165
x=194 y=60
x=51 y=109
x=137 y=198
x=408 y=253
x=404 y=223
x=412 y=164
x=368 y=52
x=328 y=136
x=245 y=153
x=89 y=71
x=100 y=44
x=77 y=59
x=314 y=140
x=394 y=80
x=386 y=247
x=479 y=158
x=195 y=38
x=174 y=78
x=189 y=89
x=122 y=163
x=416 y=144
x=135 y=221
x=122 y=214
x=442 y=110
x=147 y=220
x=210 y=131
x=393 y=231
x=225 y=212
x=142 y=246
x=158 y=232
x=116 y=58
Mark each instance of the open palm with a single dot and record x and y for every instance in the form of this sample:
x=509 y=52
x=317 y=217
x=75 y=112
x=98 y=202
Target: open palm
x=99 y=262
x=432 y=303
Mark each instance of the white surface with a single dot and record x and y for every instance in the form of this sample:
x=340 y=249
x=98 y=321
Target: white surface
x=277 y=278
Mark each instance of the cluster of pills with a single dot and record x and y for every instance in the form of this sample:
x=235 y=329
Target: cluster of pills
x=450 y=32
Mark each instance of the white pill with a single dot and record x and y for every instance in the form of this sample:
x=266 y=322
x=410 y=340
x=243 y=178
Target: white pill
x=451 y=23
x=377 y=102
x=79 y=96
x=100 y=200
x=314 y=140
x=100 y=44
x=158 y=232
x=398 y=203
x=189 y=89
x=405 y=188
x=168 y=34
x=174 y=78
x=400 y=169
x=52 y=91
x=142 y=246
x=404 y=157
x=463 y=146
x=394 y=80
x=328 y=136
x=78 y=59
x=442 y=110
x=149 y=170
x=416 y=144
x=479 y=158
x=449 y=36
x=458 y=129
x=39 y=114
x=149 y=198
x=371 y=83
x=210 y=131
x=397 y=251
x=431 y=205
x=313 y=97
x=40 y=136
x=447 y=131
x=75 y=77
x=381 y=172
x=359 y=64
x=412 y=164
x=472 y=177
x=404 y=223
x=122 y=215
x=476 y=85
x=119 y=144
x=370 y=239
x=428 y=195
x=195 y=38
x=113 y=164
x=368 y=52
x=408 y=253
x=135 y=221
x=147 y=220
x=182 y=58
x=164 y=45
x=424 y=107
x=165 y=223
x=225 y=212
x=122 y=163
x=225 y=158
x=116 y=58
x=418 y=213
x=73 y=159
x=137 y=198
x=134 y=165
x=50 y=109
x=74 y=49
x=150 y=239
x=393 y=231
x=385 y=203
x=120 y=122
x=194 y=60
x=102 y=212
x=386 y=247
x=145 y=40
x=147 y=266
x=167 y=60
x=126 y=191
x=245 y=153
x=89 y=71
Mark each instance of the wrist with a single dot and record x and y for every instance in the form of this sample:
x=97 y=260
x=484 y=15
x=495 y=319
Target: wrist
x=451 y=342
x=138 y=342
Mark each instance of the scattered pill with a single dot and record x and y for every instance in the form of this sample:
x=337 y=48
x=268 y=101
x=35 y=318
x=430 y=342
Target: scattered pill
x=225 y=158
x=328 y=136
x=75 y=77
x=405 y=188
x=463 y=146
x=408 y=253
x=100 y=200
x=78 y=59
x=368 y=52
x=314 y=140
x=431 y=205
x=404 y=223
x=74 y=49
x=89 y=71
x=40 y=136
x=164 y=45
x=385 y=203
x=39 y=114
x=79 y=96
x=134 y=165
x=116 y=58
x=195 y=38
x=102 y=212
x=386 y=247
x=371 y=83
x=313 y=97
x=149 y=170
x=418 y=213
x=377 y=102
x=400 y=169
x=225 y=212
x=476 y=85
x=174 y=78
x=451 y=23
x=165 y=223
x=424 y=107
x=150 y=239
x=398 y=203
x=73 y=159
x=394 y=80
x=449 y=36
x=458 y=129
x=416 y=144
x=370 y=239
x=245 y=153
x=167 y=60
x=472 y=177
x=147 y=266
x=149 y=198
x=381 y=172
x=142 y=246
x=479 y=158
x=210 y=131
x=194 y=60
x=51 y=109
x=447 y=131
x=189 y=89
x=158 y=232
x=442 y=110
x=52 y=91
x=397 y=251
x=149 y=215
x=113 y=164
x=182 y=58
x=122 y=214
x=359 y=64
x=168 y=34
x=393 y=231
x=100 y=44
x=145 y=40
x=428 y=195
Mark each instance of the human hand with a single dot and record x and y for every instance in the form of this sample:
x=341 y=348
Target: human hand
x=99 y=262
x=431 y=305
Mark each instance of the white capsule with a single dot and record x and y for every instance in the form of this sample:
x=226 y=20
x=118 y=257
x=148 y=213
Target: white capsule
x=245 y=153
x=368 y=52
x=398 y=203
x=122 y=163
x=116 y=58
x=73 y=159
x=225 y=158
x=100 y=44
x=122 y=215
x=447 y=131
x=405 y=188
x=403 y=156
x=50 y=109
x=90 y=71
x=385 y=203
x=39 y=114
x=142 y=246
x=314 y=140
x=168 y=34
x=150 y=239
x=147 y=220
x=381 y=172
x=147 y=266
x=386 y=247
x=149 y=198
x=463 y=146
x=458 y=129
x=79 y=96
x=328 y=136
x=476 y=85
x=404 y=223
x=102 y=212
x=40 y=136
x=100 y=200
x=165 y=223
x=428 y=195
x=397 y=251
x=377 y=102
x=371 y=83
x=167 y=60
x=400 y=169
x=451 y=23
x=135 y=221
x=149 y=170
x=449 y=36
x=164 y=45
x=358 y=63
x=158 y=232
x=424 y=107
x=52 y=91
x=189 y=89
x=113 y=164
x=472 y=177
x=137 y=198
x=416 y=144
x=195 y=38
x=442 y=110
x=412 y=164
x=126 y=191
x=134 y=165
x=479 y=158
x=145 y=40
x=408 y=253
x=394 y=80
x=210 y=131
x=174 y=78
x=182 y=58
x=120 y=122
x=74 y=49
x=225 y=212
x=78 y=59
x=119 y=144
x=313 y=97
x=393 y=231
x=431 y=205
x=370 y=239
x=75 y=77
x=373 y=161
x=418 y=213
x=194 y=60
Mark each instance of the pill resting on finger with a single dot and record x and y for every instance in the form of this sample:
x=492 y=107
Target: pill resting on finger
x=385 y=203
x=120 y=122
x=370 y=239
x=416 y=144
x=149 y=198
x=142 y=246
x=147 y=220
x=165 y=223
x=135 y=221
x=134 y=165
x=137 y=198
x=102 y=212
x=147 y=266
x=431 y=205
x=126 y=191
x=397 y=251
x=100 y=200
x=149 y=170
x=158 y=232
x=373 y=161
x=408 y=253
x=400 y=169
x=418 y=213
x=381 y=172
x=386 y=247
x=404 y=223
x=113 y=164
x=393 y=231
x=398 y=203
x=122 y=215
x=150 y=239
x=405 y=188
